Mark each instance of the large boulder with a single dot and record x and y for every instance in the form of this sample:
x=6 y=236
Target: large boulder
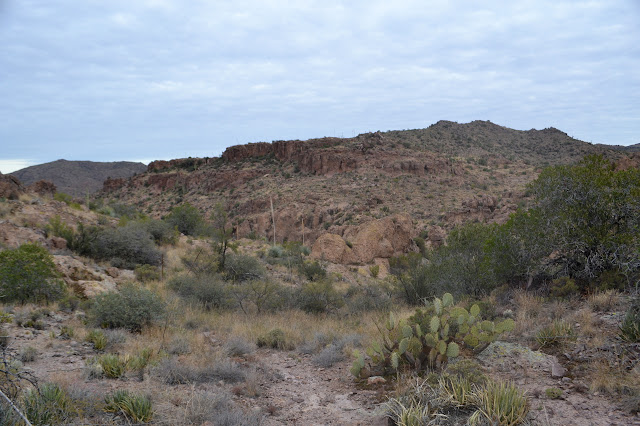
x=376 y=239
x=332 y=248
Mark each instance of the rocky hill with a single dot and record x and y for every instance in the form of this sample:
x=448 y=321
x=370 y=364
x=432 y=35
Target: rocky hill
x=438 y=176
x=78 y=178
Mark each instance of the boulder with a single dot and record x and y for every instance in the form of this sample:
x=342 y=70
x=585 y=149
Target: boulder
x=366 y=243
x=332 y=248
x=10 y=187
x=383 y=238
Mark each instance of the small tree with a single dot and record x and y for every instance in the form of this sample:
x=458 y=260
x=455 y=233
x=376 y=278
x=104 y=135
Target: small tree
x=29 y=274
x=222 y=232
x=185 y=218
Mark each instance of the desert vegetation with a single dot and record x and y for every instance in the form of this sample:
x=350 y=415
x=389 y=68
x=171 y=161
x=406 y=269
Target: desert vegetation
x=500 y=324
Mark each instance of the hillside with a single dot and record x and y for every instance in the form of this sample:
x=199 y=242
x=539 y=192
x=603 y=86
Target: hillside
x=442 y=175
x=78 y=178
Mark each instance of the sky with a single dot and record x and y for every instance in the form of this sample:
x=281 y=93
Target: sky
x=160 y=79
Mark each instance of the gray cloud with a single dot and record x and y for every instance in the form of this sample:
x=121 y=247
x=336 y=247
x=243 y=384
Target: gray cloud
x=121 y=80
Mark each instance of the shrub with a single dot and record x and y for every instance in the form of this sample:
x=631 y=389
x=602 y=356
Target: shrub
x=318 y=297
x=136 y=408
x=239 y=267
x=275 y=339
x=563 y=287
x=69 y=303
x=630 y=327
x=172 y=372
x=48 y=405
x=237 y=346
x=28 y=354
x=146 y=273
x=126 y=247
x=209 y=290
x=29 y=274
x=161 y=231
x=313 y=271
x=131 y=308
x=374 y=270
x=58 y=228
x=64 y=197
x=186 y=218
x=218 y=409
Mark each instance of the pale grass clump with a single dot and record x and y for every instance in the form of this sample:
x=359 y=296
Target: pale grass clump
x=297 y=326
x=589 y=327
x=604 y=301
x=612 y=379
x=528 y=313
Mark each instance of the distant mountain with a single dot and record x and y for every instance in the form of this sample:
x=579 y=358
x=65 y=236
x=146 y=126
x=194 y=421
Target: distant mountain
x=445 y=174
x=78 y=178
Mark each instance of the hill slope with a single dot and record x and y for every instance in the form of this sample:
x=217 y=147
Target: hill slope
x=78 y=178
x=442 y=175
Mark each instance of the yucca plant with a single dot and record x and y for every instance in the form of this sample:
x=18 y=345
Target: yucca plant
x=48 y=405
x=112 y=365
x=98 y=339
x=499 y=404
x=137 y=408
x=555 y=334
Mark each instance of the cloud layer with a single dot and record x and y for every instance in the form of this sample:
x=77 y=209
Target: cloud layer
x=162 y=79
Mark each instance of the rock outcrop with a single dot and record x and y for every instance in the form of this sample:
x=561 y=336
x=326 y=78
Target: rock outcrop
x=10 y=187
x=44 y=188
x=363 y=244
x=89 y=281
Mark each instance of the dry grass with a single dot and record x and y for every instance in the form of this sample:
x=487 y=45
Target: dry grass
x=605 y=301
x=612 y=379
x=529 y=308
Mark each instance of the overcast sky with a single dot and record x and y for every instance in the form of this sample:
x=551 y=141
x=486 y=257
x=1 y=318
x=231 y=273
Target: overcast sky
x=159 y=79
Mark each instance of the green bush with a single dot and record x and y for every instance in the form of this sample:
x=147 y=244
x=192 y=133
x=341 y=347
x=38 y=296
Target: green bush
x=318 y=297
x=28 y=274
x=161 y=231
x=126 y=247
x=131 y=308
x=209 y=290
x=313 y=271
x=146 y=273
x=563 y=287
x=630 y=327
x=240 y=267
x=98 y=339
x=186 y=218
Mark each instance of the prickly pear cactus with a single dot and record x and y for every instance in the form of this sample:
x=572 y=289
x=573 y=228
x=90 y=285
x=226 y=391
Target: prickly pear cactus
x=430 y=337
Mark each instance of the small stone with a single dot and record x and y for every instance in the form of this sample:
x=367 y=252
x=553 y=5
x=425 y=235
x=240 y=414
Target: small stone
x=566 y=379
x=557 y=371
x=376 y=380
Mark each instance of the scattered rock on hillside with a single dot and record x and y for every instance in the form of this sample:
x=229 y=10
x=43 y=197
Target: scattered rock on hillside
x=89 y=280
